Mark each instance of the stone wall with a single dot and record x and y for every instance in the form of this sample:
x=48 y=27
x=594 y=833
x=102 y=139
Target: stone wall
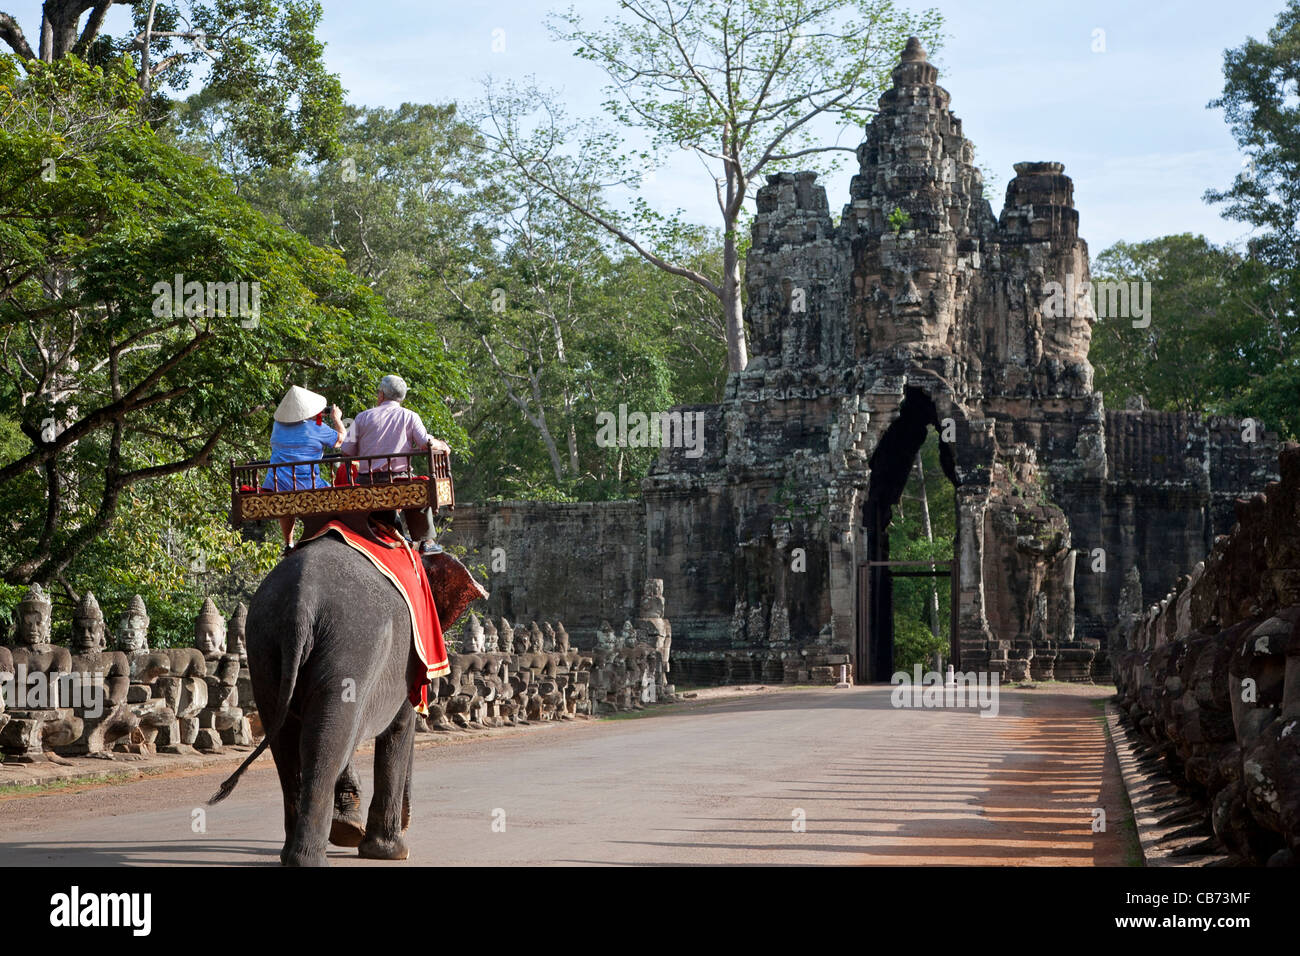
x=578 y=562
x=1210 y=674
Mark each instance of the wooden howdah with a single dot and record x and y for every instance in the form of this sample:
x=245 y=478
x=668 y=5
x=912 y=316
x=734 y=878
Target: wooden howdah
x=425 y=481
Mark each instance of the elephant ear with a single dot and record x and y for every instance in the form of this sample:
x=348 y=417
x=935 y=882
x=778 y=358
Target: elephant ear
x=454 y=588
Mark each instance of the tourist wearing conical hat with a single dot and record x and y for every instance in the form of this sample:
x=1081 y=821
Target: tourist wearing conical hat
x=296 y=436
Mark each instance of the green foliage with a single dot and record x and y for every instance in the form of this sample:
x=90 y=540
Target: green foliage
x=1217 y=342
x=1261 y=102
x=914 y=642
x=899 y=220
x=111 y=393
x=554 y=325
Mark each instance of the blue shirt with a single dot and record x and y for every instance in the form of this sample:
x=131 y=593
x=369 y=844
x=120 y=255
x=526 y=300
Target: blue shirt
x=305 y=441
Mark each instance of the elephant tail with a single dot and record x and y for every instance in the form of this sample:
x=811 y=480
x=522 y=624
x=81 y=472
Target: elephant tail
x=288 y=680
x=228 y=787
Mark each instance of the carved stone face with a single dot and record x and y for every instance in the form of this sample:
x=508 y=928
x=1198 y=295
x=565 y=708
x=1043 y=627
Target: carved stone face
x=474 y=636
x=238 y=625
x=33 y=624
x=133 y=634
x=606 y=638
x=88 y=635
x=210 y=636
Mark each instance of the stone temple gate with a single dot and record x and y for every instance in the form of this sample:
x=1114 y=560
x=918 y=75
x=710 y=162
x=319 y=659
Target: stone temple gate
x=864 y=335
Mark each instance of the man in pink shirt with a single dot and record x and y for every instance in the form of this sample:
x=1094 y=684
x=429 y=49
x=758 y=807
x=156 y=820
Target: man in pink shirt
x=390 y=429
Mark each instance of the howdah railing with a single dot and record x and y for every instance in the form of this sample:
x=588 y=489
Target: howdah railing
x=421 y=478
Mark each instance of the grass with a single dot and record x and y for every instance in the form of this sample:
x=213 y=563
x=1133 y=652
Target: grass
x=54 y=786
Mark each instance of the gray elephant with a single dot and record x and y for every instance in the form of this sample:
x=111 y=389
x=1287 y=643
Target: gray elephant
x=331 y=661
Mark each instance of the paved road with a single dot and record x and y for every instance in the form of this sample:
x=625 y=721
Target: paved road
x=720 y=782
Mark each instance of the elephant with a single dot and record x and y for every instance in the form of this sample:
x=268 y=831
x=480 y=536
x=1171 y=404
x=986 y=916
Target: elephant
x=331 y=660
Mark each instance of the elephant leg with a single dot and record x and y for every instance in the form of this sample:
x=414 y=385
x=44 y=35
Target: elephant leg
x=406 y=794
x=348 y=828
x=285 y=751
x=393 y=752
x=326 y=747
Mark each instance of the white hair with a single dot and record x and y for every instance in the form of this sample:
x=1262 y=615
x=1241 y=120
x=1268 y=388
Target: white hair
x=392 y=387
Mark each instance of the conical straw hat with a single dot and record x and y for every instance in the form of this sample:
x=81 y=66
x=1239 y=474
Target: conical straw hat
x=298 y=405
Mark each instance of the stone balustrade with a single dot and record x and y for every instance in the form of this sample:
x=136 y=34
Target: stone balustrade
x=1210 y=674
x=137 y=701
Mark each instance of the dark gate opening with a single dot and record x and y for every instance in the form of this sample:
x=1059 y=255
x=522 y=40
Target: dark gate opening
x=891 y=464
x=876 y=578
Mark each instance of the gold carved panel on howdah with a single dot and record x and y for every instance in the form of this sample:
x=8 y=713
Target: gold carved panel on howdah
x=317 y=501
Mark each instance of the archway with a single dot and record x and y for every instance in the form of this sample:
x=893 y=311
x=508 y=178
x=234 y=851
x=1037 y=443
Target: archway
x=891 y=464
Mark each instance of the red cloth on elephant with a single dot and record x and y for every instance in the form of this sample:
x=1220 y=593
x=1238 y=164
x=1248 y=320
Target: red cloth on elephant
x=401 y=565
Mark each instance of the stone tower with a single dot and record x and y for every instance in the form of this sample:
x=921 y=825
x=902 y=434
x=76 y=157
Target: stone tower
x=922 y=309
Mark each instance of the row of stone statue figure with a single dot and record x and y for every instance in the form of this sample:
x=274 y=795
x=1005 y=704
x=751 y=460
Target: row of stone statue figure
x=89 y=700
x=131 y=700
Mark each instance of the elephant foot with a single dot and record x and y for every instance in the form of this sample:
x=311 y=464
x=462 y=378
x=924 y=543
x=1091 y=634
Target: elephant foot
x=373 y=848
x=347 y=831
x=348 y=827
x=295 y=858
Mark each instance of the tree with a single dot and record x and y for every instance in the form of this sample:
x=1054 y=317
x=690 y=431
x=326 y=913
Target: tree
x=740 y=84
x=553 y=328
x=1170 y=363
x=1213 y=345
x=147 y=314
x=266 y=86
x=1261 y=102
x=924 y=532
x=404 y=203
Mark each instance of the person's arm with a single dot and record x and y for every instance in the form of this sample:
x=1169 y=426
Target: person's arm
x=337 y=417
x=420 y=437
x=349 y=442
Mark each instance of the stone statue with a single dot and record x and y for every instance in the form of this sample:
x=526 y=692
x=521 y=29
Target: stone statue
x=655 y=626
x=520 y=641
x=238 y=626
x=548 y=633
x=491 y=639
x=133 y=631
x=105 y=714
x=37 y=722
x=606 y=639
x=33 y=648
x=561 y=638
x=536 y=640
x=220 y=719
x=210 y=632
x=167 y=689
x=629 y=635
x=474 y=635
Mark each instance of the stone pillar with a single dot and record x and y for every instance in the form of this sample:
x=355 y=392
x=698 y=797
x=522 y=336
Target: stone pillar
x=979 y=648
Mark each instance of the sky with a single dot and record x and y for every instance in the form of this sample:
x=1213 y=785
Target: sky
x=1129 y=122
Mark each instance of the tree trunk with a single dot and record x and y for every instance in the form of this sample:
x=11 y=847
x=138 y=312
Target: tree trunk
x=929 y=536
x=732 y=306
